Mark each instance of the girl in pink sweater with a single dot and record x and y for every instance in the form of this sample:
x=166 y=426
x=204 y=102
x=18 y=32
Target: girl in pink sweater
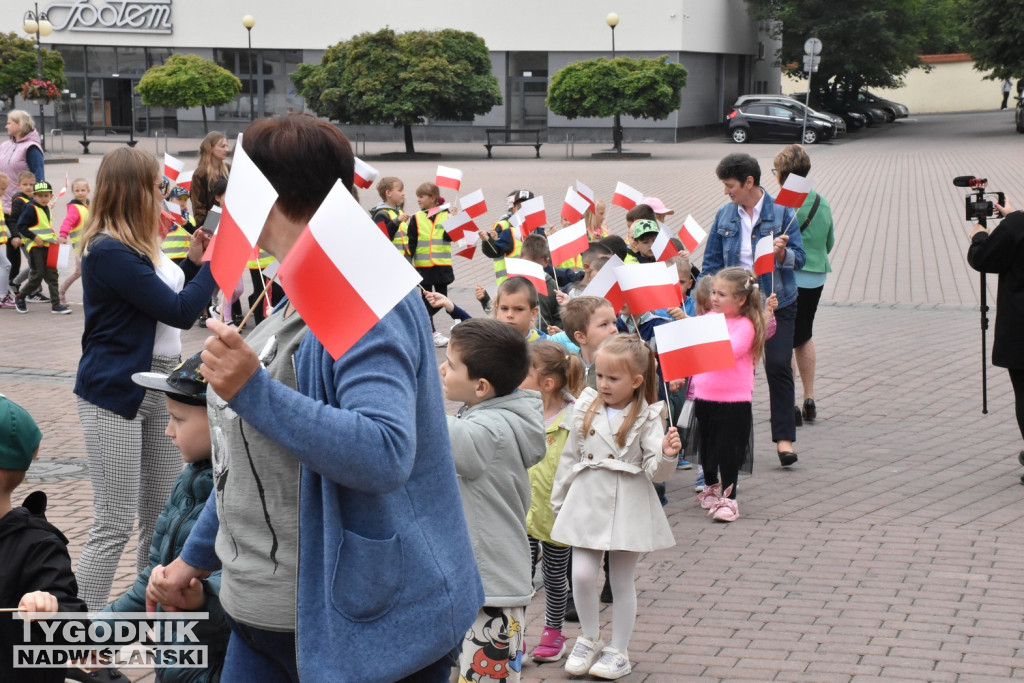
x=722 y=397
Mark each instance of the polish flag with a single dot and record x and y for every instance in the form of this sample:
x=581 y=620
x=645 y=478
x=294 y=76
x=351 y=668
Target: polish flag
x=174 y=211
x=438 y=209
x=764 y=255
x=691 y=346
x=649 y=286
x=64 y=190
x=794 y=191
x=691 y=234
x=467 y=246
x=516 y=221
x=341 y=275
x=534 y=272
x=586 y=193
x=172 y=167
x=247 y=204
x=364 y=174
x=568 y=242
x=575 y=206
x=626 y=196
x=458 y=225
x=208 y=254
x=448 y=177
x=663 y=249
x=533 y=213
x=184 y=180
x=606 y=285
x=473 y=204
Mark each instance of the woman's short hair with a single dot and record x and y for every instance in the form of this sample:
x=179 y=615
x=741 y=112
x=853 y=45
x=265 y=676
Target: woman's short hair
x=792 y=159
x=26 y=124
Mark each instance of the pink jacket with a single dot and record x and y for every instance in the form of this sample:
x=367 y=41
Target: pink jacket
x=735 y=384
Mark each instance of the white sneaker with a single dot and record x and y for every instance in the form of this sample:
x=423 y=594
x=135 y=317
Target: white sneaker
x=584 y=653
x=612 y=664
x=440 y=340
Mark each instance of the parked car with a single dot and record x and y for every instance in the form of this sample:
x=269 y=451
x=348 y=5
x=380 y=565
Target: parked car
x=894 y=110
x=853 y=120
x=787 y=100
x=767 y=120
x=873 y=113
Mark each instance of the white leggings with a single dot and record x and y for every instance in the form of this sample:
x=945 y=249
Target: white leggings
x=586 y=589
x=5 y=272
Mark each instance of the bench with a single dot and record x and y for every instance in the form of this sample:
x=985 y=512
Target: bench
x=507 y=137
x=107 y=131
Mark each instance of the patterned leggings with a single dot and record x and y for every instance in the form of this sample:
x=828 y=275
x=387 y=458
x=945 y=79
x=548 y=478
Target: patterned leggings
x=553 y=561
x=132 y=467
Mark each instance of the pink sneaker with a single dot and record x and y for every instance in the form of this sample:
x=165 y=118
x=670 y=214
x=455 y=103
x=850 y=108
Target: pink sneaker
x=7 y=302
x=709 y=496
x=725 y=508
x=552 y=646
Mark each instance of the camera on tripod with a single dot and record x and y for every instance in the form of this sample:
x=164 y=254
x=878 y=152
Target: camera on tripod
x=979 y=204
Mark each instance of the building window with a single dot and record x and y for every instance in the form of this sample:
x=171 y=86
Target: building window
x=274 y=91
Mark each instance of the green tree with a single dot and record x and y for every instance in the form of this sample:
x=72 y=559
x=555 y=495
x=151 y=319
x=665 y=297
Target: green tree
x=994 y=28
x=19 y=63
x=185 y=81
x=401 y=79
x=641 y=88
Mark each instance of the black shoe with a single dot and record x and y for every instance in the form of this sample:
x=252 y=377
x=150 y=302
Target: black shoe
x=606 y=593
x=810 y=411
x=570 y=610
x=787 y=458
x=97 y=676
x=1020 y=457
x=797 y=417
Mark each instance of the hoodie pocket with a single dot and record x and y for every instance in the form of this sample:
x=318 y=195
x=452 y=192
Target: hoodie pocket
x=368 y=577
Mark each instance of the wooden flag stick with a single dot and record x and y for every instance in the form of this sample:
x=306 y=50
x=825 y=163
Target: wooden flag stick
x=267 y=284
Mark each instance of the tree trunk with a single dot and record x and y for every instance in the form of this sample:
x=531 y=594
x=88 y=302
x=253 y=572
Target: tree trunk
x=409 y=149
x=206 y=126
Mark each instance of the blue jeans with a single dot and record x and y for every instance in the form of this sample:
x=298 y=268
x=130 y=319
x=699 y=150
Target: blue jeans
x=255 y=654
x=778 y=351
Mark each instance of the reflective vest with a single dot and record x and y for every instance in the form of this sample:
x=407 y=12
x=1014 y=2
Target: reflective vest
x=401 y=239
x=75 y=233
x=262 y=263
x=431 y=247
x=42 y=229
x=500 y=274
x=176 y=243
x=574 y=263
x=630 y=259
x=3 y=230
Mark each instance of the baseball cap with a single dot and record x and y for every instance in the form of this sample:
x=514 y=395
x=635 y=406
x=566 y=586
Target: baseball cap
x=657 y=205
x=179 y=192
x=42 y=186
x=19 y=436
x=518 y=196
x=645 y=227
x=184 y=383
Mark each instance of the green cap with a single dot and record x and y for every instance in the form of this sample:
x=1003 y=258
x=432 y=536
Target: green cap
x=19 y=436
x=645 y=226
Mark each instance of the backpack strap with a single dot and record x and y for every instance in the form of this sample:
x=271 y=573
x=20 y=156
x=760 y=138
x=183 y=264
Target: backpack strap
x=810 y=216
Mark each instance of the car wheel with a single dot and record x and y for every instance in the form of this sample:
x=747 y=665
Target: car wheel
x=1019 y=119
x=810 y=136
x=740 y=135
x=890 y=115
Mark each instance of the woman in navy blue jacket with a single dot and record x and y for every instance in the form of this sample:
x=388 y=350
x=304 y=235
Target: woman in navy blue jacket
x=136 y=304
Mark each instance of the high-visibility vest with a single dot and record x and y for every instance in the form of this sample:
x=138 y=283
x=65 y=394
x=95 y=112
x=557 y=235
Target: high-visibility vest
x=75 y=233
x=42 y=228
x=574 y=263
x=3 y=229
x=262 y=263
x=431 y=247
x=500 y=273
x=401 y=239
x=176 y=243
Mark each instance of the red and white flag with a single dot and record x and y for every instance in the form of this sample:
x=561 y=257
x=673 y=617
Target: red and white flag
x=568 y=243
x=533 y=214
x=626 y=197
x=64 y=190
x=364 y=174
x=575 y=206
x=606 y=284
x=794 y=191
x=467 y=247
x=516 y=221
x=438 y=209
x=473 y=204
x=764 y=255
x=172 y=167
x=448 y=177
x=458 y=225
x=534 y=272
x=586 y=193
x=341 y=275
x=184 y=180
x=691 y=346
x=691 y=234
x=663 y=249
x=247 y=203
x=649 y=286
x=174 y=210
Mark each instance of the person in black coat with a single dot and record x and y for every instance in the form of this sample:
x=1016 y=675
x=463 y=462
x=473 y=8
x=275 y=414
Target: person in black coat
x=1001 y=251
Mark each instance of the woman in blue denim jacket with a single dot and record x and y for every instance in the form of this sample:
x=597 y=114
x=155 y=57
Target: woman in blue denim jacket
x=750 y=215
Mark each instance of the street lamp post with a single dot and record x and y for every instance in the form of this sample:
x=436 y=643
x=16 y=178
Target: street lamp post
x=37 y=23
x=248 y=21
x=613 y=20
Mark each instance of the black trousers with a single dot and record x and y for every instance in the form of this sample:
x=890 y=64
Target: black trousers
x=777 y=354
x=1017 y=380
x=14 y=256
x=724 y=433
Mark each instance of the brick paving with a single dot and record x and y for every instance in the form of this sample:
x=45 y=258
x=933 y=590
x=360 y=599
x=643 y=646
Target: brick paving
x=891 y=550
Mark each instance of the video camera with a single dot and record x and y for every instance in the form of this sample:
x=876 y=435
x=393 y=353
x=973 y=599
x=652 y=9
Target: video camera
x=976 y=205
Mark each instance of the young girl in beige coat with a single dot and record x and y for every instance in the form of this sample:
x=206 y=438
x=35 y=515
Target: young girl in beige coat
x=604 y=496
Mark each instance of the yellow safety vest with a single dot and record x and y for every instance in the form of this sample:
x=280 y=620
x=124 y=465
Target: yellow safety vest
x=262 y=263
x=3 y=230
x=42 y=228
x=401 y=239
x=574 y=263
x=500 y=273
x=75 y=233
x=431 y=247
x=176 y=243
x=630 y=259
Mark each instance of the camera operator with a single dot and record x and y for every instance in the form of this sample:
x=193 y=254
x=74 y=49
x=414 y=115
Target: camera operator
x=1001 y=251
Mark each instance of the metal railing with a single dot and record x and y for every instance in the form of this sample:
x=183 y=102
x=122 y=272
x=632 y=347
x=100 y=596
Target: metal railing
x=570 y=145
x=361 y=137
x=157 y=134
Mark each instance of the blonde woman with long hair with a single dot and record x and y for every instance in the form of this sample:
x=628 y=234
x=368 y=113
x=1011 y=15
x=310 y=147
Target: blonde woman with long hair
x=136 y=302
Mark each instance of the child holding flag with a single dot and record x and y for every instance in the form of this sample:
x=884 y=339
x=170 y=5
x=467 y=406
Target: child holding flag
x=34 y=226
x=71 y=228
x=431 y=249
x=390 y=213
x=502 y=239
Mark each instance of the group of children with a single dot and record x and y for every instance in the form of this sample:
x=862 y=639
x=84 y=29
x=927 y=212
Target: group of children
x=28 y=232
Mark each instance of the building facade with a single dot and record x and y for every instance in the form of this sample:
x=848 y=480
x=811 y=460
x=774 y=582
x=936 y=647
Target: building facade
x=107 y=45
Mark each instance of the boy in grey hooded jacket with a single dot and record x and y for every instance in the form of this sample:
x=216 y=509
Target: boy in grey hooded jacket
x=496 y=437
